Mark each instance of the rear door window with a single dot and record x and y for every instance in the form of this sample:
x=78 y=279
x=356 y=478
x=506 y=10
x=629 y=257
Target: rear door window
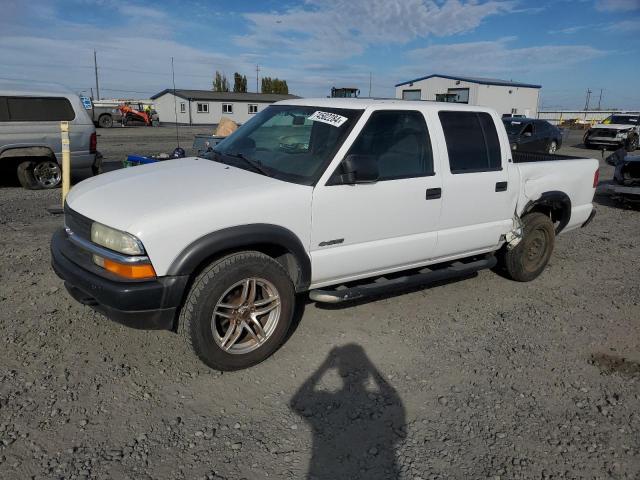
x=4 y=110
x=472 y=141
x=38 y=109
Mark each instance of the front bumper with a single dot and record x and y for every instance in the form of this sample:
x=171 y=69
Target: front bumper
x=149 y=304
x=608 y=141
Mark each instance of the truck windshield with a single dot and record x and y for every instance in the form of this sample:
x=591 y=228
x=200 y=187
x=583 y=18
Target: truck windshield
x=621 y=120
x=289 y=142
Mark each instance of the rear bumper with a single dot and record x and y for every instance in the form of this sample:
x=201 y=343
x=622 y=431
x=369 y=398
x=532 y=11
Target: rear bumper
x=149 y=305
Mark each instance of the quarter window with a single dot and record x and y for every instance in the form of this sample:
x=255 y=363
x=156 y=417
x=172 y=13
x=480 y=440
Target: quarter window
x=35 y=109
x=399 y=140
x=227 y=108
x=472 y=141
x=203 y=108
x=253 y=108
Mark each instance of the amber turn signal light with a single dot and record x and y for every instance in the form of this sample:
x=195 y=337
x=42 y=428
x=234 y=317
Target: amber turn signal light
x=134 y=271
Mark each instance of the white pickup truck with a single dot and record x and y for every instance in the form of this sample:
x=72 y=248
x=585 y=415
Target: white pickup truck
x=340 y=198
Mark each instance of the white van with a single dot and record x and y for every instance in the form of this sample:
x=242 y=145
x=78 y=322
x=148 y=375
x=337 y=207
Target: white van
x=30 y=142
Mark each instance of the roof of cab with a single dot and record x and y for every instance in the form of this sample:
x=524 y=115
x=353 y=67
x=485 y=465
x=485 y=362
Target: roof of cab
x=15 y=87
x=385 y=103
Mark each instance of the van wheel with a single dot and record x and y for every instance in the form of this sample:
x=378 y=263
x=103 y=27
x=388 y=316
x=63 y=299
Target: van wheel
x=527 y=260
x=238 y=311
x=105 y=121
x=25 y=175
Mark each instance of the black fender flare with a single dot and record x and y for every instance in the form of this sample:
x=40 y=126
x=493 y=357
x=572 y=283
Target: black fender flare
x=552 y=200
x=244 y=237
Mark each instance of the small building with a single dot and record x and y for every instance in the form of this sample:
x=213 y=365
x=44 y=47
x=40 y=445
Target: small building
x=504 y=96
x=206 y=107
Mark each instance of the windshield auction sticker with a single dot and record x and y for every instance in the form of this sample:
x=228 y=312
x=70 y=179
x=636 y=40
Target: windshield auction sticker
x=326 y=117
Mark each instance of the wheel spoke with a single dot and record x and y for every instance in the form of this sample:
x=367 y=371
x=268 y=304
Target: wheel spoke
x=273 y=305
x=258 y=327
x=232 y=335
x=257 y=336
x=265 y=301
x=220 y=313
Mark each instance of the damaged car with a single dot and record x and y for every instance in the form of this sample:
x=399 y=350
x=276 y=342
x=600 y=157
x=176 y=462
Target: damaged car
x=617 y=130
x=626 y=177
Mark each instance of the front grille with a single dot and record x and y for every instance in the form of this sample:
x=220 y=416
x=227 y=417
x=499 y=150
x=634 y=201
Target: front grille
x=78 y=224
x=605 y=132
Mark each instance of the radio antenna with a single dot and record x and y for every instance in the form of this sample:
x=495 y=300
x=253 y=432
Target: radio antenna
x=175 y=104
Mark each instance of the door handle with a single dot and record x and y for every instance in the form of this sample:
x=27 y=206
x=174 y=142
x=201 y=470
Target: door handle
x=501 y=186
x=433 y=193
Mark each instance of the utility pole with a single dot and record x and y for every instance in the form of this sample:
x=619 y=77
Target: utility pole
x=95 y=67
x=600 y=99
x=257 y=73
x=369 y=84
x=586 y=105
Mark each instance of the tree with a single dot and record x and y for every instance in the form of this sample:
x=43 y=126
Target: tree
x=274 y=85
x=239 y=83
x=220 y=82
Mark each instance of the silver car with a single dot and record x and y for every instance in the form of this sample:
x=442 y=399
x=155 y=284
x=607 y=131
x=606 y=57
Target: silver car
x=30 y=141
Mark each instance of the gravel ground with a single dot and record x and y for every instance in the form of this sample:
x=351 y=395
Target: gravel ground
x=481 y=378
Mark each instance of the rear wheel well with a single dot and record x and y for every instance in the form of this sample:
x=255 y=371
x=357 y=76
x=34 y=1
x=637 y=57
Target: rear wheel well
x=555 y=205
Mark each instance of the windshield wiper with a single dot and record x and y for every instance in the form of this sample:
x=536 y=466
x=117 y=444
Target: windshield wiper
x=257 y=166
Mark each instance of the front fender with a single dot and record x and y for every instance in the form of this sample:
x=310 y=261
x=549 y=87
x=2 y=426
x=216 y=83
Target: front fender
x=243 y=237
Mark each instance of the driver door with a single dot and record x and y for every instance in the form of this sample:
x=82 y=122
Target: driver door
x=363 y=229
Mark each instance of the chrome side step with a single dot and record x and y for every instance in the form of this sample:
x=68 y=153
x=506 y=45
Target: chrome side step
x=382 y=285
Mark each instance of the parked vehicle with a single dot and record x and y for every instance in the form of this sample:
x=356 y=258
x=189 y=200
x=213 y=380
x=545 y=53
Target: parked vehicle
x=529 y=135
x=617 y=130
x=382 y=195
x=30 y=141
x=626 y=177
x=105 y=113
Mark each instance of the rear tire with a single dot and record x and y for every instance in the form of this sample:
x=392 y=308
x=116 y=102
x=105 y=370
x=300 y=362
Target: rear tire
x=553 y=147
x=25 y=175
x=529 y=258
x=238 y=311
x=47 y=174
x=105 y=121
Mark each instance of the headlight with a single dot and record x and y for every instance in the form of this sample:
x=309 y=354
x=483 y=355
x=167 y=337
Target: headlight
x=115 y=240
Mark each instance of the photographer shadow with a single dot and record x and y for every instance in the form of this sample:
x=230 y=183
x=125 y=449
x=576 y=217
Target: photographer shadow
x=355 y=429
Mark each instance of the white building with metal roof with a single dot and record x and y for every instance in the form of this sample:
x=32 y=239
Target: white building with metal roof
x=504 y=96
x=205 y=107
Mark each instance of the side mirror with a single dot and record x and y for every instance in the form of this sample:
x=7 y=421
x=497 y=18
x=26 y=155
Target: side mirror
x=359 y=169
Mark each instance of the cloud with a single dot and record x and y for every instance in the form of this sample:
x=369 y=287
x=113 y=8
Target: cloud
x=499 y=58
x=345 y=28
x=617 y=5
x=624 y=26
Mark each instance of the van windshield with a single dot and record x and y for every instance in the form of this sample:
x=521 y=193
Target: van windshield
x=288 y=142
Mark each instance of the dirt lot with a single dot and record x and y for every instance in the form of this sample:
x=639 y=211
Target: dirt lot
x=473 y=379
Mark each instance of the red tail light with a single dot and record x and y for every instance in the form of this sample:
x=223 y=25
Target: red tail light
x=93 y=143
x=596 y=178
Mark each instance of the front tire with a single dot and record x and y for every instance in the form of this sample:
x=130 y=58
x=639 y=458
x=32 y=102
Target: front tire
x=25 y=175
x=527 y=260
x=238 y=311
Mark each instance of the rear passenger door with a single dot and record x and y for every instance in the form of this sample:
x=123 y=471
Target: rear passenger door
x=478 y=197
x=364 y=229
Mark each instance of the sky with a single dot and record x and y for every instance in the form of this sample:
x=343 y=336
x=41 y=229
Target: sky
x=565 y=46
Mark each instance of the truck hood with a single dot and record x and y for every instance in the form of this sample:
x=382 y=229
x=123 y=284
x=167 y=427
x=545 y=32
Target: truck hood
x=169 y=204
x=612 y=126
